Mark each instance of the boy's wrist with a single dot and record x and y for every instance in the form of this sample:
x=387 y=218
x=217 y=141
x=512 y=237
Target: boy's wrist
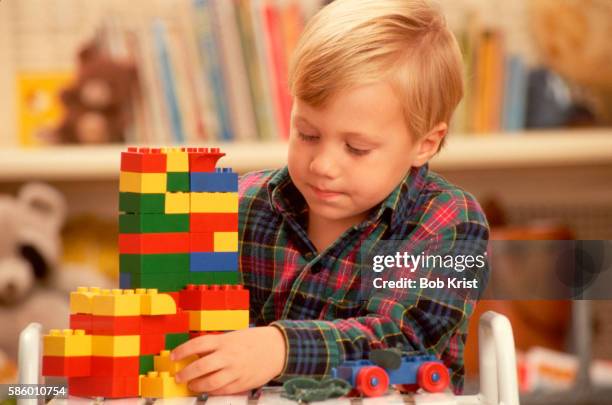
x=278 y=341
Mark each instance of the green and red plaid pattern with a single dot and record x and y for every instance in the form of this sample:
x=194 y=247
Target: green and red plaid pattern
x=313 y=298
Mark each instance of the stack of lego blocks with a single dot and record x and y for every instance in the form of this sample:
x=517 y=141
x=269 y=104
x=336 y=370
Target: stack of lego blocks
x=178 y=235
x=179 y=219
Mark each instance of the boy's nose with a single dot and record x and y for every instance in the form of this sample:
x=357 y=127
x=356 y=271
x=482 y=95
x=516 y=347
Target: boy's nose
x=324 y=165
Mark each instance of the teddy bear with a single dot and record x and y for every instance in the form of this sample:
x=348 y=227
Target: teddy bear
x=34 y=285
x=99 y=103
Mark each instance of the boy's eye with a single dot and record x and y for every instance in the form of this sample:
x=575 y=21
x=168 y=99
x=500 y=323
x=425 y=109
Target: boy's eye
x=307 y=138
x=356 y=151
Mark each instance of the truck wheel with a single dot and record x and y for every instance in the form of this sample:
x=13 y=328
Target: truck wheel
x=433 y=377
x=372 y=381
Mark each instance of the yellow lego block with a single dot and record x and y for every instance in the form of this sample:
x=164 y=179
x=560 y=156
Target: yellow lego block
x=115 y=346
x=67 y=343
x=81 y=300
x=162 y=385
x=218 y=320
x=225 y=242
x=163 y=362
x=152 y=303
x=116 y=302
x=144 y=183
x=214 y=202
x=176 y=160
x=177 y=203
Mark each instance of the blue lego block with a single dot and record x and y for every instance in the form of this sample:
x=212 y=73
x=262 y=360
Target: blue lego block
x=125 y=280
x=223 y=180
x=214 y=261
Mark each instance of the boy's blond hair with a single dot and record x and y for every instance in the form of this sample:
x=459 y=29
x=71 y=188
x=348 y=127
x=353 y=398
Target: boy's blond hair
x=405 y=42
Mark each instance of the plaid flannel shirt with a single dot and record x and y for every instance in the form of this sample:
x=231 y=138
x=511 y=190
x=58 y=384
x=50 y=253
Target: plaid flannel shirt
x=311 y=296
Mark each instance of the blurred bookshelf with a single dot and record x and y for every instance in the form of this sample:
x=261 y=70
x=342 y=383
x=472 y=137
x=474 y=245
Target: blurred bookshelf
x=521 y=150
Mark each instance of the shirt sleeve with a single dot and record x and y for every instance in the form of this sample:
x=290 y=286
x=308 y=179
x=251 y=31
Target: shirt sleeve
x=390 y=317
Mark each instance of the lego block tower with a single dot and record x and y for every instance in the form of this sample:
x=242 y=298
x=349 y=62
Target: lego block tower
x=179 y=278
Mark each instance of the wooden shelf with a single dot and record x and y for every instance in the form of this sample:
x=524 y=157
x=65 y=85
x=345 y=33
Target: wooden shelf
x=520 y=150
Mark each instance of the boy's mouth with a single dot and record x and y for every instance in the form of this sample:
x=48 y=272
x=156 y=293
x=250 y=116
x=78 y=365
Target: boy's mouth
x=324 y=193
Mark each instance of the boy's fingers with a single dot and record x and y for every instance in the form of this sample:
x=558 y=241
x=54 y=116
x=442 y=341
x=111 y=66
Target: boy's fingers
x=212 y=382
x=201 y=367
x=200 y=346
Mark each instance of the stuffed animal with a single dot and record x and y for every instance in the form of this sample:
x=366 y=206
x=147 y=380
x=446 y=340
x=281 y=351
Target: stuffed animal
x=99 y=103
x=34 y=287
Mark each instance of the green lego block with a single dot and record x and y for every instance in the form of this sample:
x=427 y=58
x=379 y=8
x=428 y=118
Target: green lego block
x=178 y=182
x=212 y=277
x=169 y=264
x=142 y=203
x=175 y=339
x=146 y=363
x=163 y=282
x=153 y=223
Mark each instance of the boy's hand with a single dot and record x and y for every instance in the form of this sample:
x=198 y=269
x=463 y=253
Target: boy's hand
x=232 y=362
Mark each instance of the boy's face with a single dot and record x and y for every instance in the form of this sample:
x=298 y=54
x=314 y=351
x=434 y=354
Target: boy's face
x=348 y=157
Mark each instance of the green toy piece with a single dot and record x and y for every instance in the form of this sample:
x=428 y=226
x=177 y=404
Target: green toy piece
x=304 y=389
x=389 y=359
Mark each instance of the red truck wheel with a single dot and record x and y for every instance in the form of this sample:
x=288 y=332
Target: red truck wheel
x=433 y=377
x=372 y=381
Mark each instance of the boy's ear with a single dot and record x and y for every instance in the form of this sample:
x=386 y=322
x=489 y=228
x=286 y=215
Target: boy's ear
x=428 y=145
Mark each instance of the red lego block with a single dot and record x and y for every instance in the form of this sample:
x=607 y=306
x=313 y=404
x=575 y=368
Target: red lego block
x=103 y=366
x=178 y=323
x=203 y=159
x=143 y=160
x=202 y=242
x=214 y=297
x=107 y=387
x=213 y=222
x=153 y=325
x=81 y=321
x=151 y=243
x=115 y=325
x=195 y=334
x=175 y=296
x=152 y=343
x=66 y=366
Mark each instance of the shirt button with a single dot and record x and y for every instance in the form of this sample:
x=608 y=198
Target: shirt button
x=309 y=256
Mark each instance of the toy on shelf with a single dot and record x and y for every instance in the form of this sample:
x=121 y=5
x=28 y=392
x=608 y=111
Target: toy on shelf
x=179 y=279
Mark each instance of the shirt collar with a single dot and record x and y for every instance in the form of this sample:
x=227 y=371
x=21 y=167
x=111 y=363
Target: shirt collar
x=286 y=199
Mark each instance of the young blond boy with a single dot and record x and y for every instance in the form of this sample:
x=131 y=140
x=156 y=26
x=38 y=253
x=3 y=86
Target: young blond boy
x=374 y=85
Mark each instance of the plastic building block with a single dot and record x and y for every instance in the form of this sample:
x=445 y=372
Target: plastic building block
x=218 y=320
x=154 y=263
x=178 y=182
x=213 y=222
x=163 y=282
x=173 y=340
x=213 y=261
x=201 y=242
x=67 y=342
x=153 y=243
x=177 y=160
x=162 y=385
x=203 y=159
x=163 y=363
x=178 y=323
x=62 y=366
x=175 y=296
x=143 y=183
x=212 y=277
x=214 y=297
x=125 y=280
x=115 y=346
x=116 y=302
x=107 y=387
x=152 y=343
x=220 y=181
x=142 y=203
x=177 y=203
x=226 y=242
x=145 y=363
x=81 y=300
x=115 y=325
x=198 y=333
x=153 y=303
x=81 y=321
x=102 y=366
x=153 y=325
x=143 y=160
x=153 y=223
x=214 y=202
